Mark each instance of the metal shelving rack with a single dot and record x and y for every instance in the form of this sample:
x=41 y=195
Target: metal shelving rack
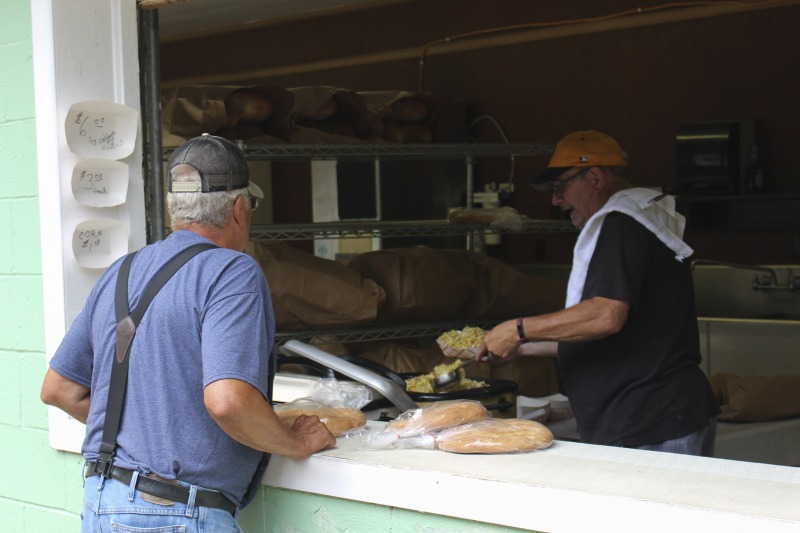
x=389 y=331
x=375 y=228
x=411 y=228
x=376 y=152
x=387 y=151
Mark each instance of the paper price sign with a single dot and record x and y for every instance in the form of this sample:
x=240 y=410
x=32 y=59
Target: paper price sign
x=100 y=129
x=100 y=182
x=99 y=242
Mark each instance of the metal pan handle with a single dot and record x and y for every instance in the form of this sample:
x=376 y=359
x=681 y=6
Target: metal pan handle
x=389 y=389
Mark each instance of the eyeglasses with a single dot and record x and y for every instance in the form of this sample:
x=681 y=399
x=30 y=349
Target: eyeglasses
x=560 y=185
x=254 y=202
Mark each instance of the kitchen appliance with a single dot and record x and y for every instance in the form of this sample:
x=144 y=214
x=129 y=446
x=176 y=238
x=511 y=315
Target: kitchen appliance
x=389 y=395
x=498 y=395
x=718 y=158
x=385 y=387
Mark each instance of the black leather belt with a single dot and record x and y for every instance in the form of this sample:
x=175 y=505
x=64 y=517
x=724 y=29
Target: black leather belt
x=168 y=491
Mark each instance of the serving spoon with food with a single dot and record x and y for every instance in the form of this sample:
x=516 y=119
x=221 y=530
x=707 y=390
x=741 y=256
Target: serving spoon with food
x=446 y=378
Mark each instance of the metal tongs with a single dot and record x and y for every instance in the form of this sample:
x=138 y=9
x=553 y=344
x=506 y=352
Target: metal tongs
x=447 y=378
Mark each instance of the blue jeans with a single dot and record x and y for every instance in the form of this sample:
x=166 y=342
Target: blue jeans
x=110 y=506
x=698 y=443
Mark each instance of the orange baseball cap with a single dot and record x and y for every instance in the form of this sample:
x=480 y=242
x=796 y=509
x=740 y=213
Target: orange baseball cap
x=585 y=148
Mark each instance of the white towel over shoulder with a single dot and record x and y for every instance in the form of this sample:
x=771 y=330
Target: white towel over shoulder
x=654 y=210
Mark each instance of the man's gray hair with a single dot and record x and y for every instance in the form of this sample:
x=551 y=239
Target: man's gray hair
x=203 y=208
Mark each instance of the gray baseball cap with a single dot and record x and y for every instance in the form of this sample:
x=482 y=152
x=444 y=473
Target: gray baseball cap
x=209 y=164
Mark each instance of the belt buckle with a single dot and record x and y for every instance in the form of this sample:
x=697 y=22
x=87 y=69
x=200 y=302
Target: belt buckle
x=156 y=499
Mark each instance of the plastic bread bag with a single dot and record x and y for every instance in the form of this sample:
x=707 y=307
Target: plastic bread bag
x=337 y=404
x=495 y=435
x=437 y=416
x=488 y=436
x=333 y=392
x=424 y=421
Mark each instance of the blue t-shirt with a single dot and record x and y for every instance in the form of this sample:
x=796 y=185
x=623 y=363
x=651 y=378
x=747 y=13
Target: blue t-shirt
x=212 y=320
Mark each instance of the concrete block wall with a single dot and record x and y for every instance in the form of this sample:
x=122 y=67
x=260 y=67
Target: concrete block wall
x=39 y=487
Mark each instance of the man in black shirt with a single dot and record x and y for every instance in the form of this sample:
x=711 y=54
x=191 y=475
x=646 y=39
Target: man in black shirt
x=627 y=342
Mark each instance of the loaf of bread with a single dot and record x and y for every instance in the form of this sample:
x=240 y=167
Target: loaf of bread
x=408 y=110
x=391 y=131
x=247 y=105
x=495 y=435
x=438 y=416
x=339 y=420
x=325 y=111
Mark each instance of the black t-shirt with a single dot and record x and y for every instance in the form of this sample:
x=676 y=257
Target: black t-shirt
x=642 y=385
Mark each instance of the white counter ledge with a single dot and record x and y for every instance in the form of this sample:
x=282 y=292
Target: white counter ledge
x=568 y=487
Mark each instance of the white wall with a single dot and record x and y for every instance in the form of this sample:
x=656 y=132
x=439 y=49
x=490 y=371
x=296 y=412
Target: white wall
x=86 y=50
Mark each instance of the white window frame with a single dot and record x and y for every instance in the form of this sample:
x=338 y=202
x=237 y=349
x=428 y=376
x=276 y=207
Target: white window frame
x=85 y=50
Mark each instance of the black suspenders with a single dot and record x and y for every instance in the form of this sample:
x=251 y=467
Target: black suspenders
x=127 y=321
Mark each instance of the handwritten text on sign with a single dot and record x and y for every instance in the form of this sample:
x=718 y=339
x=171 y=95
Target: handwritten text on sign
x=92 y=239
x=100 y=182
x=101 y=129
x=98 y=242
x=92 y=181
x=96 y=132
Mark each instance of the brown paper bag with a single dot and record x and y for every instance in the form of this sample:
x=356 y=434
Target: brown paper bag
x=351 y=109
x=421 y=283
x=756 y=398
x=193 y=110
x=314 y=102
x=502 y=291
x=404 y=357
x=409 y=117
x=310 y=292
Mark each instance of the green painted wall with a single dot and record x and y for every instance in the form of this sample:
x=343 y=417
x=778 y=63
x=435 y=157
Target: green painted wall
x=40 y=488
x=287 y=511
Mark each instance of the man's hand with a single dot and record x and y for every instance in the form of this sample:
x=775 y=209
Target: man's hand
x=501 y=343
x=243 y=413
x=589 y=320
x=314 y=428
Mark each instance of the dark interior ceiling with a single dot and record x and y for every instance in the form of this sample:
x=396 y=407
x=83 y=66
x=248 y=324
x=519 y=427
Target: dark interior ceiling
x=199 y=16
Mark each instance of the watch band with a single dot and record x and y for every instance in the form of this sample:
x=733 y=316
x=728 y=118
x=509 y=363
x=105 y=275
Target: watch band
x=521 y=330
